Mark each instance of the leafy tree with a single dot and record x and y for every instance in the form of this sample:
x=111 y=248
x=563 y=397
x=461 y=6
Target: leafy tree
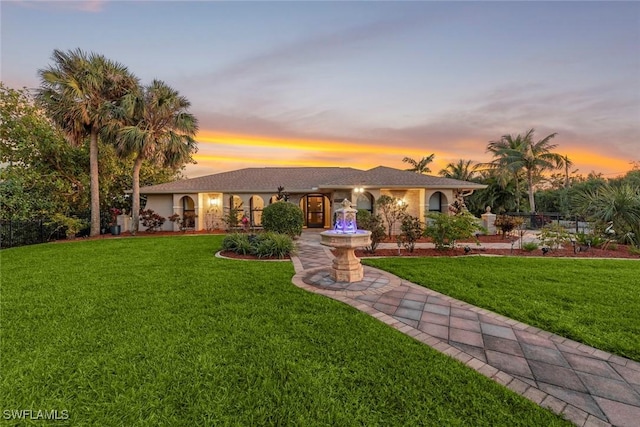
x=79 y=92
x=420 y=166
x=42 y=175
x=520 y=152
x=159 y=129
x=45 y=176
x=392 y=210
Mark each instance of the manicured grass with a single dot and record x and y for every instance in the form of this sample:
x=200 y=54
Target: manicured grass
x=594 y=301
x=158 y=332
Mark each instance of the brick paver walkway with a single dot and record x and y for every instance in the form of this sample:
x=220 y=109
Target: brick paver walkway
x=587 y=386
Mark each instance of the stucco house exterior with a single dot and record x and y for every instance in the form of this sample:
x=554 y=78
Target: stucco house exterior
x=317 y=190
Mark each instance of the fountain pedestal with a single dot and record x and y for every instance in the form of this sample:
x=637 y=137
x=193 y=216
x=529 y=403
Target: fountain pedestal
x=346 y=266
x=345 y=238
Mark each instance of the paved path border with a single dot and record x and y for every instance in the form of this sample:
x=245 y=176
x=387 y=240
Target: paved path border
x=587 y=386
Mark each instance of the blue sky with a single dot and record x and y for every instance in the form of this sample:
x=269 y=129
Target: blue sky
x=363 y=83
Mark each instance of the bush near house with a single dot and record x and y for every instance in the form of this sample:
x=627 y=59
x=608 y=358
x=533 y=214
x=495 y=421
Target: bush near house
x=372 y=223
x=410 y=231
x=392 y=210
x=445 y=229
x=283 y=217
x=151 y=220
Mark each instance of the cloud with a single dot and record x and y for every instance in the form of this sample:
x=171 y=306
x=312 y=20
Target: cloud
x=311 y=49
x=90 y=6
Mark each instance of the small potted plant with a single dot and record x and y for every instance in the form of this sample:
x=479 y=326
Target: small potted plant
x=115 y=228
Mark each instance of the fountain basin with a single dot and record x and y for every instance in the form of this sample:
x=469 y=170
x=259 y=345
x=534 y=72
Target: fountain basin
x=346 y=267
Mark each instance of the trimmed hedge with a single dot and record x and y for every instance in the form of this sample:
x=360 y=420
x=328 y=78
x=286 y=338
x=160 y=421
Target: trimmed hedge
x=283 y=217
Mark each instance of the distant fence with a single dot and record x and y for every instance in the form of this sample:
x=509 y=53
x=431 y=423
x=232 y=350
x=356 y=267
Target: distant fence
x=535 y=221
x=21 y=233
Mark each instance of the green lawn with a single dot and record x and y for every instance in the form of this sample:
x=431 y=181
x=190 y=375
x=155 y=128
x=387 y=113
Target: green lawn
x=594 y=301
x=158 y=332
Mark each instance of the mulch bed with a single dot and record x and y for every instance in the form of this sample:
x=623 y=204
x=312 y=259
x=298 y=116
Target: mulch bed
x=621 y=252
x=492 y=238
x=229 y=254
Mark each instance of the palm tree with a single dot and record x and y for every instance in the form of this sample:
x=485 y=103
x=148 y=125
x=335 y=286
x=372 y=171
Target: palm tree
x=78 y=92
x=160 y=130
x=463 y=170
x=517 y=153
x=567 y=163
x=420 y=166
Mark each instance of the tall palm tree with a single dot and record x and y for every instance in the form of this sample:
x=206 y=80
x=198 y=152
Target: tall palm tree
x=160 y=130
x=463 y=170
x=517 y=153
x=78 y=92
x=567 y=163
x=420 y=166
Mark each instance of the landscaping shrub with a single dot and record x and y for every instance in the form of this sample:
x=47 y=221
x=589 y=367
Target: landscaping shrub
x=589 y=239
x=71 y=226
x=554 y=236
x=283 y=217
x=372 y=223
x=151 y=220
x=238 y=243
x=263 y=245
x=272 y=245
x=410 y=232
x=232 y=219
x=506 y=224
x=530 y=246
x=445 y=229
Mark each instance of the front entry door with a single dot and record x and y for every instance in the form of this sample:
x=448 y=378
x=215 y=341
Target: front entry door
x=315 y=211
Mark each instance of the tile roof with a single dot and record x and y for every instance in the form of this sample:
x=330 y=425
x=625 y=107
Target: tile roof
x=385 y=177
x=304 y=180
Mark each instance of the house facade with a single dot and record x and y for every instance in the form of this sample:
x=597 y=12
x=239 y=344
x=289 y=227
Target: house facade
x=205 y=201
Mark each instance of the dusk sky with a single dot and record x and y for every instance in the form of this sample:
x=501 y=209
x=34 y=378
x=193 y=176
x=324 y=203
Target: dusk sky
x=362 y=84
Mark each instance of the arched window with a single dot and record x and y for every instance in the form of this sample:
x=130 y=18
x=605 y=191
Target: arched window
x=188 y=212
x=438 y=202
x=365 y=201
x=256 y=204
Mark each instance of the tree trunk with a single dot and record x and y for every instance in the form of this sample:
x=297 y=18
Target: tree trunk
x=532 y=201
x=95 y=184
x=517 y=193
x=135 y=203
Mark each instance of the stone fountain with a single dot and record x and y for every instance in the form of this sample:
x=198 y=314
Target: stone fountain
x=345 y=238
